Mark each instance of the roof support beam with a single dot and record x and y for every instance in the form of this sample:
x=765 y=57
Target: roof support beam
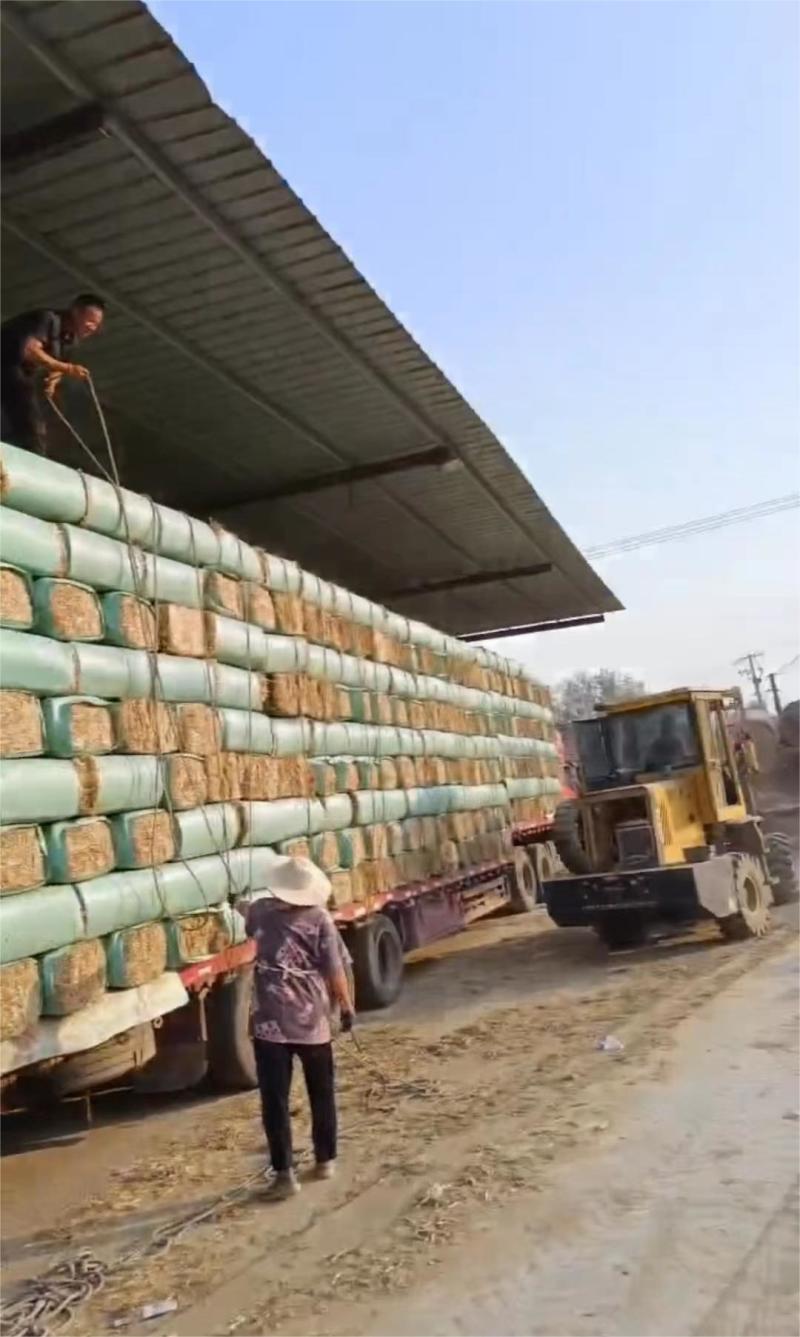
x=437 y=457
x=58 y=133
x=560 y=624
x=466 y=582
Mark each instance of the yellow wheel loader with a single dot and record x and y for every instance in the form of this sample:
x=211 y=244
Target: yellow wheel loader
x=660 y=833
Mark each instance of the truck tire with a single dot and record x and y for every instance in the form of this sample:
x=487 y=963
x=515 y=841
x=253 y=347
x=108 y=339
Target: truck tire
x=567 y=838
x=625 y=928
x=377 y=953
x=782 y=871
x=523 y=883
x=752 y=895
x=231 y=1061
x=103 y=1065
x=546 y=862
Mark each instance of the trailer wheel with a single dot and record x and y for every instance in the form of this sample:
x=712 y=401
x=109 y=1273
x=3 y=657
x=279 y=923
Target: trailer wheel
x=623 y=929
x=752 y=894
x=782 y=871
x=546 y=862
x=106 y=1063
x=231 y=1061
x=523 y=884
x=377 y=953
x=567 y=838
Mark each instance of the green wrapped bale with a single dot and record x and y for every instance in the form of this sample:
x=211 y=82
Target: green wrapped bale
x=78 y=726
x=134 y=956
x=79 y=850
x=233 y=642
x=119 y=784
x=22 y=859
x=291 y=738
x=33 y=922
x=72 y=977
x=245 y=731
x=197 y=937
x=37 y=789
x=36 y=664
x=143 y=839
x=210 y=829
x=130 y=622
x=107 y=564
x=350 y=847
x=270 y=822
x=125 y=899
x=133 y=518
x=20 y=998
x=388 y=805
x=325 y=851
x=36 y=545
x=67 y=611
x=21 y=725
x=40 y=487
x=16 y=598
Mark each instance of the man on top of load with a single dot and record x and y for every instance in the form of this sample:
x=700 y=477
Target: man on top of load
x=37 y=341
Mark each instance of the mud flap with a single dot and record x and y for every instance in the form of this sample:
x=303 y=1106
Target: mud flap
x=715 y=882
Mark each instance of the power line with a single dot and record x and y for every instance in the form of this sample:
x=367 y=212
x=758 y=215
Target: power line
x=703 y=525
x=751 y=668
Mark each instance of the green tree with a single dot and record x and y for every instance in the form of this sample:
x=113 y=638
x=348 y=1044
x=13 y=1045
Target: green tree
x=575 y=697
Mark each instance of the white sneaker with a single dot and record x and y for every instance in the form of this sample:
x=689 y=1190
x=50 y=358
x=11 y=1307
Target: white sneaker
x=281 y=1184
x=325 y=1169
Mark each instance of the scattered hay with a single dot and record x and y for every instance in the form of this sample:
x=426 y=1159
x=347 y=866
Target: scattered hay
x=182 y=631
x=136 y=955
x=199 y=729
x=258 y=607
x=20 y=998
x=224 y=595
x=146 y=727
x=91 y=728
x=186 y=781
x=21 y=725
x=22 y=863
x=72 y=977
x=222 y=776
x=72 y=612
x=16 y=606
x=88 y=849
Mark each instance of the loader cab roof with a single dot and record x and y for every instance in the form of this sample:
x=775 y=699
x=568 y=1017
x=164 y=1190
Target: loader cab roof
x=728 y=696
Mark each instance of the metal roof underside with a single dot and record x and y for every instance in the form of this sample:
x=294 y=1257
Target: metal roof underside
x=244 y=352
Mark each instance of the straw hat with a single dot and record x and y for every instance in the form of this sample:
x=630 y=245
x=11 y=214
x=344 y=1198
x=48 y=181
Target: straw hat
x=298 y=882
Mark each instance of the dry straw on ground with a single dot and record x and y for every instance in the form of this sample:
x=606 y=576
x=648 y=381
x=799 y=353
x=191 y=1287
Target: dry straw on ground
x=21 y=727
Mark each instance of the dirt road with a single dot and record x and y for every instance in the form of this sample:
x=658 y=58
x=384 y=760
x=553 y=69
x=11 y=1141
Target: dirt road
x=499 y=1173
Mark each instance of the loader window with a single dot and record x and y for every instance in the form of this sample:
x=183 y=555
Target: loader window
x=615 y=749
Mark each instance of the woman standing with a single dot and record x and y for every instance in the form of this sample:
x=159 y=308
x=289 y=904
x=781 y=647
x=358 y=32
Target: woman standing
x=299 y=973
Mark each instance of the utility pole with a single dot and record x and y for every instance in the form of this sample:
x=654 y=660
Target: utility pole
x=752 y=669
x=773 y=687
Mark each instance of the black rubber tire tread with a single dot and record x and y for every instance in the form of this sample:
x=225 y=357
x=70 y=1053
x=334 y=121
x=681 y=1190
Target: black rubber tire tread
x=231 y=1061
x=566 y=838
x=782 y=871
x=623 y=929
x=377 y=952
x=523 y=883
x=107 y=1063
x=750 y=922
x=546 y=862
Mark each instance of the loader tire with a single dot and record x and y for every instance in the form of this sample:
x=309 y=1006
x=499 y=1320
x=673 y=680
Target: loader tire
x=377 y=952
x=782 y=871
x=231 y=1060
x=567 y=838
x=752 y=894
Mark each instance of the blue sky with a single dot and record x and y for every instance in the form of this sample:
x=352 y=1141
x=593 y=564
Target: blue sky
x=588 y=215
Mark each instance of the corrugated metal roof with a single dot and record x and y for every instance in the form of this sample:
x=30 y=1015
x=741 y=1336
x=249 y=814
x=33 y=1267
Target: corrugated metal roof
x=244 y=351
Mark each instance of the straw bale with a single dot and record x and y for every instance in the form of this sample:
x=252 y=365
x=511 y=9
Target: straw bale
x=331 y=701
x=406 y=772
x=299 y=848
x=152 y=838
x=15 y=600
x=382 y=708
x=412 y=833
x=201 y=935
x=198 y=729
x=20 y=998
x=347 y=777
x=325 y=851
x=223 y=594
x=75 y=612
x=137 y=623
x=258 y=607
x=309 y=697
x=283 y=695
x=21 y=727
x=312 y=623
x=295 y=778
x=258 y=777
x=417 y=717
x=144 y=952
x=289 y=611
x=460 y=825
x=367 y=774
x=77 y=976
x=430 y=832
x=21 y=858
x=376 y=845
x=182 y=631
x=146 y=727
x=450 y=857
x=91 y=728
x=88 y=849
x=395 y=838
x=222 y=776
x=400 y=712
x=324 y=778
x=351 y=847
x=383 y=648
x=345 y=640
x=361 y=640
x=335 y=632
x=387 y=773
x=186 y=780
x=342 y=704
x=342 y=889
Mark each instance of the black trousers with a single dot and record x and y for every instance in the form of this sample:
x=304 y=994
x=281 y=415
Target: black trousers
x=274 y=1066
x=23 y=422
